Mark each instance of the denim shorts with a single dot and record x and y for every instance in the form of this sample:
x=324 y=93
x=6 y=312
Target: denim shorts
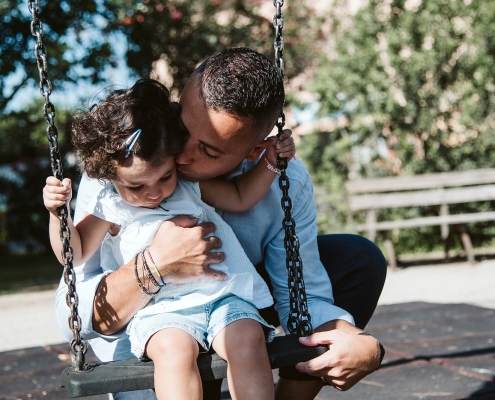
x=202 y=322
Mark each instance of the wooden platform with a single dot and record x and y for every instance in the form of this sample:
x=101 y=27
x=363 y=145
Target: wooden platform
x=434 y=352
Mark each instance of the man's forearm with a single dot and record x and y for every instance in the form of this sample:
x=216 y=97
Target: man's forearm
x=338 y=324
x=186 y=256
x=117 y=299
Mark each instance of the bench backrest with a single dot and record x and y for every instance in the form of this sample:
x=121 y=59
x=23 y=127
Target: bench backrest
x=422 y=190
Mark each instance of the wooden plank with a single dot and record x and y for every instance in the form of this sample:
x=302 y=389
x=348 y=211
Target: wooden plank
x=431 y=221
x=425 y=181
x=422 y=198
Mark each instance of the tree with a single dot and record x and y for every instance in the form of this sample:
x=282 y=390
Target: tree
x=24 y=153
x=184 y=33
x=414 y=80
x=70 y=56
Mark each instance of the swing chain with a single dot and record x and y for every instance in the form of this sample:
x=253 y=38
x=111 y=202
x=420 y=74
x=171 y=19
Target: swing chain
x=77 y=345
x=299 y=322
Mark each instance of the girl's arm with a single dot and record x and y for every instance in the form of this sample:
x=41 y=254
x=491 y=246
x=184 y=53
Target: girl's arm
x=86 y=237
x=244 y=193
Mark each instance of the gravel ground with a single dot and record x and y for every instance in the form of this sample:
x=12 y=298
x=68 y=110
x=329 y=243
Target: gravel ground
x=28 y=319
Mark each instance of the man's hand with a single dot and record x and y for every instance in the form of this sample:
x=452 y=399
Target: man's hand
x=350 y=358
x=182 y=252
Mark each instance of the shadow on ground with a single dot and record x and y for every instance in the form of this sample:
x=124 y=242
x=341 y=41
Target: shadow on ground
x=434 y=352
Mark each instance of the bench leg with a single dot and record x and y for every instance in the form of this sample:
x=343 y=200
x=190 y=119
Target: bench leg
x=446 y=244
x=468 y=246
x=389 y=248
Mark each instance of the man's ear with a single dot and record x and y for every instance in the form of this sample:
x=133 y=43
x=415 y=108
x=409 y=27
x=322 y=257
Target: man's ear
x=258 y=149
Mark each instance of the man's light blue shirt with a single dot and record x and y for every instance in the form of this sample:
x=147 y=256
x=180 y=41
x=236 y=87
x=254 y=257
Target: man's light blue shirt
x=261 y=235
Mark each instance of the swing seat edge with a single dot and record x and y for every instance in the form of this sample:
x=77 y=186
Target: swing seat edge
x=134 y=374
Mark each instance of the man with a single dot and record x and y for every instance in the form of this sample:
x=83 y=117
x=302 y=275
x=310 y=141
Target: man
x=228 y=105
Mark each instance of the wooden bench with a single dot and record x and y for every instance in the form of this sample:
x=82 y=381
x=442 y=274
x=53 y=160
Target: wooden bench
x=440 y=189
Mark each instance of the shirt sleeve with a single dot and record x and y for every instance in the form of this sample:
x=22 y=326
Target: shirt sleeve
x=88 y=276
x=107 y=205
x=317 y=283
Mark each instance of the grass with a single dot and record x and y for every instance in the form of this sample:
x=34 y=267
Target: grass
x=30 y=272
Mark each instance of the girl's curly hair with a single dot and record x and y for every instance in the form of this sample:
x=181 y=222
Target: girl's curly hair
x=99 y=133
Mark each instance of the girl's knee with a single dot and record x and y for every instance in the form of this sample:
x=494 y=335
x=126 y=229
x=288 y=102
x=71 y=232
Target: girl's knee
x=251 y=338
x=171 y=342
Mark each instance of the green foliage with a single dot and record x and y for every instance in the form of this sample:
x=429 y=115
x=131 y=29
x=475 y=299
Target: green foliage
x=29 y=272
x=26 y=152
x=414 y=80
x=69 y=58
x=22 y=133
x=26 y=217
x=76 y=39
x=184 y=33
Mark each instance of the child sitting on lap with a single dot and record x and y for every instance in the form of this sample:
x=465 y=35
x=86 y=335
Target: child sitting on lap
x=129 y=141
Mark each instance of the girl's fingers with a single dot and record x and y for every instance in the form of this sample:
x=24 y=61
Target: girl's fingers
x=57 y=189
x=53 y=205
x=286 y=147
x=285 y=142
x=288 y=155
x=67 y=183
x=57 y=197
x=287 y=150
x=285 y=134
x=52 y=181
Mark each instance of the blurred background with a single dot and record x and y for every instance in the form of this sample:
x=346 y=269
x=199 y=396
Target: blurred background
x=375 y=88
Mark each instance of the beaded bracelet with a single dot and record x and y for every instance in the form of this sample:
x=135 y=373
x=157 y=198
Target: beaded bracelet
x=150 y=276
x=270 y=166
x=156 y=268
x=141 y=286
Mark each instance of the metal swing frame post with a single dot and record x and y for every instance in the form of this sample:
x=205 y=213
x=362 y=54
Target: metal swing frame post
x=78 y=347
x=299 y=322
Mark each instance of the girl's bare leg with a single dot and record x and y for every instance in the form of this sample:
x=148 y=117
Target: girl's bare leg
x=242 y=344
x=174 y=353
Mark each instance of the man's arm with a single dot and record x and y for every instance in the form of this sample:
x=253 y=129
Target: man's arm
x=245 y=192
x=181 y=253
x=108 y=301
x=241 y=194
x=353 y=356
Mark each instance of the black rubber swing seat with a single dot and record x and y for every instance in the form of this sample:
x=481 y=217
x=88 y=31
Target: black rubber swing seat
x=128 y=375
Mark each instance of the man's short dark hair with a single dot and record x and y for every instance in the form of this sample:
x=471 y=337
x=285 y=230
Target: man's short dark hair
x=243 y=82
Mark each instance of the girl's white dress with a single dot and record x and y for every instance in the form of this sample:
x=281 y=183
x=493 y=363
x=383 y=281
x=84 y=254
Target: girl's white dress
x=138 y=229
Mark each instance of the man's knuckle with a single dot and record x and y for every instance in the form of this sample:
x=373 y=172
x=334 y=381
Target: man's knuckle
x=203 y=247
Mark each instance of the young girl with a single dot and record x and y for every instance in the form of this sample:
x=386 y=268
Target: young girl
x=129 y=141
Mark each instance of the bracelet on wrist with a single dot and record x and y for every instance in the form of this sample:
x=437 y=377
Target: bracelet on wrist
x=147 y=270
x=270 y=166
x=156 y=268
x=141 y=285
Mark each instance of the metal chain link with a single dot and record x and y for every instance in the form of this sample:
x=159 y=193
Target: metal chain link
x=299 y=322
x=77 y=345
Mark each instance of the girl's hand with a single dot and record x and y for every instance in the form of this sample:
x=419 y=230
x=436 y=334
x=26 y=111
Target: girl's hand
x=56 y=193
x=283 y=146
